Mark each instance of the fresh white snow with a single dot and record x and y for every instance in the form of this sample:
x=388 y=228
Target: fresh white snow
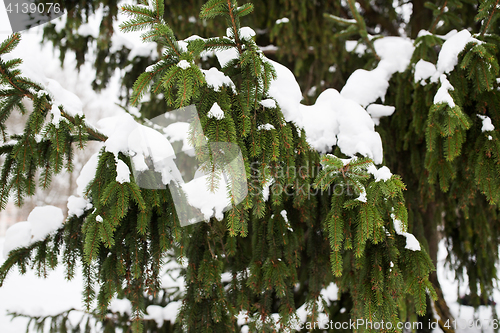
x=282 y=20
x=354 y=45
x=423 y=71
x=122 y=172
x=448 y=56
x=216 y=112
x=121 y=306
x=365 y=87
x=411 y=242
x=129 y=137
x=247 y=33
x=41 y=222
x=348 y=125
x=179 y=131
x=60 y=96
x=87 y=174
x=487 y=124
x=443 y=95
x=265 y=127
x=211 y=203
x=77 y=205
x=268 y=103
x=284 y=215
x=339 y=118
x=333 y=119
x=267 y=188
x=88 y=29
x=18 y=235
x=362 y=196
x=286 y=91
x=225 y=56
x=377 y=111
x=183 y=64
x=161 y=314
x=216 y=79
x=382 y=173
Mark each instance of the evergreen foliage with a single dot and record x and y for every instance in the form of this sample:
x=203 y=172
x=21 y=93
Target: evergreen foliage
x=278 y=262
x=450 y=156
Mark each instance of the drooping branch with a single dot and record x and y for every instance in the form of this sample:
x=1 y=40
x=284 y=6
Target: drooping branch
x=95 y=135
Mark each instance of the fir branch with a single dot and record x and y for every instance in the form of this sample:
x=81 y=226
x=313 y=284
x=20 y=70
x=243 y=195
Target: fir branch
x=219 y=43
x=438 y=17
x=94 y=134
x=362 y=27
x=173 y=46
x=160 y=8
x=245 y=9
x=10 y=43
x=133 y=10
x=484 y=28
x=132 y=25
x=47 y=105
x=155 y=21
x=208 y=9
x=235 y=27
x=5 y=74
x=140 y=86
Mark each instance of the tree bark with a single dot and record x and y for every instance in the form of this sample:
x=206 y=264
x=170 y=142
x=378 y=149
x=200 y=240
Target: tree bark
x=433 y=237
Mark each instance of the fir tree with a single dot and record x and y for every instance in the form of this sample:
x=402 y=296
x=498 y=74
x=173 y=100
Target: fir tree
x=444 y=150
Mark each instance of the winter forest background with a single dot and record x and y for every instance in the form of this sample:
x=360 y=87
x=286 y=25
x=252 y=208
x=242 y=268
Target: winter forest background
x=395 y=103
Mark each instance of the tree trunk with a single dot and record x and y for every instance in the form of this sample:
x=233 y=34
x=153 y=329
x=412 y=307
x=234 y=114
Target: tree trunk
x=433 y=237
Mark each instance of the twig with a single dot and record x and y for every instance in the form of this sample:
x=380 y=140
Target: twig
x=438 y=18
x=47 y=106
x=92 y=132
x=485 y=27
x=235 y=28
x=362 y=27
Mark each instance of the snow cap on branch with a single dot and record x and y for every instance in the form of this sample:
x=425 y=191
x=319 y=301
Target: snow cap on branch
x=41 y=222
x=332 y=120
